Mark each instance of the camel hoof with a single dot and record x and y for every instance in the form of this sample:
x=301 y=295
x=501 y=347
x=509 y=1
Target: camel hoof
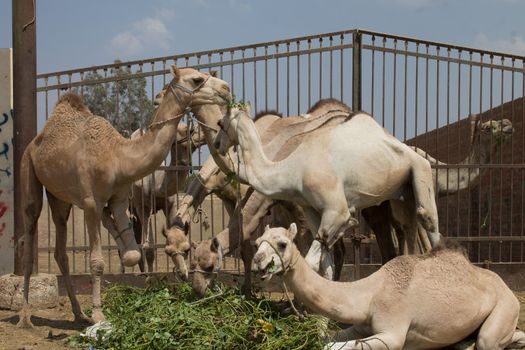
x=83 y=319
x=131 y=258
x=25 y=319
x=98 y=316
x=25 y=322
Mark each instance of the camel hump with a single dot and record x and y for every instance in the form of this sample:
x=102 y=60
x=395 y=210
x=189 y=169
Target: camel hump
x=73 y=100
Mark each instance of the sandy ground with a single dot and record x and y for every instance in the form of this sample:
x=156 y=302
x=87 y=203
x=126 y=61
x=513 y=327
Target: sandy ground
x=58 y=322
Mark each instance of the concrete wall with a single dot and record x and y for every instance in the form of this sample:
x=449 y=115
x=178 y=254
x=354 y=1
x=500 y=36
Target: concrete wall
x=6 y=163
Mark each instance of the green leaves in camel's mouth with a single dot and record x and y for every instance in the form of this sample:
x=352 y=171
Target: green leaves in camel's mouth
x=241 y=105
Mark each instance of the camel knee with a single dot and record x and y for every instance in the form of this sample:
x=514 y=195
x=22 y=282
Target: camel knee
x=97 y=266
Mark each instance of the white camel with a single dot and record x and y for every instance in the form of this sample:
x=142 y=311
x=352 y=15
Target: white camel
x=412 y=302
x=335 y=171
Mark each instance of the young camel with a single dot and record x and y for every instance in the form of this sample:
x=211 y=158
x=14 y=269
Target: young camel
x=154 y=192
x=412 y=302
x=328 y=172
x=82 y=160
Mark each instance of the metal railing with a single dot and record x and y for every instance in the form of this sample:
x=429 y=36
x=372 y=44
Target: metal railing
x=421 y=91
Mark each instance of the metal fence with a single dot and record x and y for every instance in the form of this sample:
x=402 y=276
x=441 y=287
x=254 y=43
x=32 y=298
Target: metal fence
x=421 y=91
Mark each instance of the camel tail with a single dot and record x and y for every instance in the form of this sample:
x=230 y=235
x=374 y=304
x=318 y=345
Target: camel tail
x=73 y=100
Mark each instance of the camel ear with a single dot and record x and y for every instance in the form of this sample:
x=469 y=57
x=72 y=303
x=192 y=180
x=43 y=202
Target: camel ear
x=293 y=230
x=247 y=107
x=194 y=244
x=214 y=73
x=215 y=245
x=266 y=228
x=175 y=72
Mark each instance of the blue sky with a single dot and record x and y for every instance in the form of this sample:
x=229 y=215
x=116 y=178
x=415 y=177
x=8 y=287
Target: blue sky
x=74 y=33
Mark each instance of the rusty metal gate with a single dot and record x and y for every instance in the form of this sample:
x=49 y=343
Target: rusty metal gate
x=423 y=92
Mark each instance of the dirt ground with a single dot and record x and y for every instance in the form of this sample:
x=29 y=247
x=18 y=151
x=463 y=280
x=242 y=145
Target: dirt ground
x=58 y=322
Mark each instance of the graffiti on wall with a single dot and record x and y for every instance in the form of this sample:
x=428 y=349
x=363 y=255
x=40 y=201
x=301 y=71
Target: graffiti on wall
x=6 y=181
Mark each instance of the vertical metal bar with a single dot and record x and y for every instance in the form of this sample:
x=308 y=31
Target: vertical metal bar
x=356 y=71
x=512 y=119
x=266 y=97
x=469 y=200
x=394 y=90
x=47 y=205
x=320 y=69
x=342 y=67
x=405 y=94
x=243 y=66
x=416 y=90
x=479 y=145
x=309 y=74
x=372 y=84
x=331 y=40
x=447 y=208
x=298 y=47
x=255 y=79
x=288 y=78
x=458 y=202
x=437 y=107
x=501 y=160
x=277 y=76
x=383 y=85
x=491 y=100
x=426 y=100
x=24 y=98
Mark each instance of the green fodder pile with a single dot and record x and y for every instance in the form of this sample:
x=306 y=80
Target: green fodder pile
x=169 y=317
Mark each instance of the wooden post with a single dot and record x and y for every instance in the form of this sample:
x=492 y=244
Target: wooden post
x=24 y=100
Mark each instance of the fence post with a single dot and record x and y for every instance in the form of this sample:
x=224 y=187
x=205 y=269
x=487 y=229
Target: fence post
x=356 y=71
x=24 y=99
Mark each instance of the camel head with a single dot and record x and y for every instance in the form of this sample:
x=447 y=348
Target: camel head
x=206 y=264
x=190 y=88
x=500 y=130
x=275 y=251
x=227 y=135
x=178 y=248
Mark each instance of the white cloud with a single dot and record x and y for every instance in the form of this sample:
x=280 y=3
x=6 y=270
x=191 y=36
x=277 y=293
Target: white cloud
x=513 y=44
x=147 y=34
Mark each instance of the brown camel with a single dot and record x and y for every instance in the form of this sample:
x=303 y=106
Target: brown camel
x=412 y=302
x=82 y=160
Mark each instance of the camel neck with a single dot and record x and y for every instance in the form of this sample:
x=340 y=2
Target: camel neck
x=346 y=302
x=208 y=117
x=262 y=174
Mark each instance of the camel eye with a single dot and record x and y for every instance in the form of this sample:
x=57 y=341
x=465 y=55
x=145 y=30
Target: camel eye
x=198 y=80
x=281 y=245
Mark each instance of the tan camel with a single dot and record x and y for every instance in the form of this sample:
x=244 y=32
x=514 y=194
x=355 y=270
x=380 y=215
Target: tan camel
x=412 y=302
x=153 y=192
x=82 y=160
x=328 y=173
x=486 y=138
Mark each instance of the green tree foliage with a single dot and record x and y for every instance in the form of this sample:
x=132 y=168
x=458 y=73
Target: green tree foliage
x=124 y=102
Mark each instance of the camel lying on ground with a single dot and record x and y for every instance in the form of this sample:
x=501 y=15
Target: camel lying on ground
x=82 y=160
x=412 y=302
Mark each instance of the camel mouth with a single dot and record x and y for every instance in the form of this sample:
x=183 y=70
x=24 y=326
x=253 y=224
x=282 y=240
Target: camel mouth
x=508 y=130
x=266 y=273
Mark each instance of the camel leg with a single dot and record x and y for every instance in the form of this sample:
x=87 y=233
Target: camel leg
x=60 y=213
x=32 y=206
x=124 y=238
x=382 y=341
x=379 y=219
x=426 y=208
x=93 y=215
x=149 y=246
x=339 y=258
x=498 y=330
x=247 y=253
